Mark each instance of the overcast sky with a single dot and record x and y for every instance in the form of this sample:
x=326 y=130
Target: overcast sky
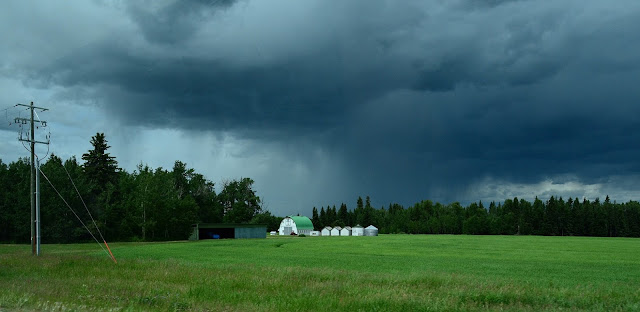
x=322 y=101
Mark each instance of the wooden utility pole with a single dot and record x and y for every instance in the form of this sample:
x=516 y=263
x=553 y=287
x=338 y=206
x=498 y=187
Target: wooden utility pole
x=35 y=213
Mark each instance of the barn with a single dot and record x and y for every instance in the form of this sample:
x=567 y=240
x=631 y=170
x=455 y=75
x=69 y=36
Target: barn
x=226 y=230
x=296 y=225
x=326 y=231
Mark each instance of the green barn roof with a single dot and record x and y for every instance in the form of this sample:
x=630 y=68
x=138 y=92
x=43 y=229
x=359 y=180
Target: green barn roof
x=302 y=223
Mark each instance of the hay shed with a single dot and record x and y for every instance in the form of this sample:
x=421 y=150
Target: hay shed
x=226 y=230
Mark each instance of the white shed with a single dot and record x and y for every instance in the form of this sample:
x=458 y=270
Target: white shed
x=315 y=233
x=357 y=230
x=336 y=231
x=346 y=231
x=295 y=225
x=326 y=231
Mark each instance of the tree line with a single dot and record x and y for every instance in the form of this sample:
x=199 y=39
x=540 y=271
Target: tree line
x=159 y=204
x=556 y=217
x=144 y=205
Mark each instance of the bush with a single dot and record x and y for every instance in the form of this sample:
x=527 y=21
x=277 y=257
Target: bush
x=302 y=235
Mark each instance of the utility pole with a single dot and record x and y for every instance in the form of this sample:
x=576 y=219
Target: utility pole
x=35 y=209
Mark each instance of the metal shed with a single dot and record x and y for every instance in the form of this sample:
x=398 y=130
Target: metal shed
x=346 y=231
x=226 y=230
x=336 y=231
x=326 y=231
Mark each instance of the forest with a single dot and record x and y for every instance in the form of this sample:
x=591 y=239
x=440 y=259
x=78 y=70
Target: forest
x=159 y=204
x=145 y=205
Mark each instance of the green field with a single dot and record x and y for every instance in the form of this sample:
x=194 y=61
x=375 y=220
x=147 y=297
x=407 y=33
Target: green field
x=385 y=273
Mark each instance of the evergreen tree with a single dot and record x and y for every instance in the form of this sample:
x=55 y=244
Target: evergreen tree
x=333 y=215
x=323 y=218
x=316 y=219
x=343 y=215
x=100 y=167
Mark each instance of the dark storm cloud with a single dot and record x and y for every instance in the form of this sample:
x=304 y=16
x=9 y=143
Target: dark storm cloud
x=176 y=22
x=415 y=96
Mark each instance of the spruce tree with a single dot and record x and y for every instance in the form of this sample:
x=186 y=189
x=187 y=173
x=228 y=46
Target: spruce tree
x=100 y=167
x=315 y=218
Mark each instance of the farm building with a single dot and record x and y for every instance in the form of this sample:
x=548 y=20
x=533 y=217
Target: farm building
x=357 y=230
x=371 y=231
x=296 y=225
x=326 y=231
x=219 y=230
x=336 y=231
x=315 y=233
x=346 y=231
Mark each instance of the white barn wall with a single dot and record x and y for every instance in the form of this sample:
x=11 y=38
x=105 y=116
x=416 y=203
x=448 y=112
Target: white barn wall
x=285 y=225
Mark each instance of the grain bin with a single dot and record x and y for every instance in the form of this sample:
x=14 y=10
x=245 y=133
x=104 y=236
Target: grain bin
x=371 y=231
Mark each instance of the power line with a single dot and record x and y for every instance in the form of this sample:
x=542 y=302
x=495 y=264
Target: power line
x=6 y=112
x=89 y=212
x=9 y=107
x=73 y=211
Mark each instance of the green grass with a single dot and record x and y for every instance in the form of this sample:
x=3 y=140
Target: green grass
x=385 y=273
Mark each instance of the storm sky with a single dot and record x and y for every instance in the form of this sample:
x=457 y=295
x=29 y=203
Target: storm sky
x=323 y=101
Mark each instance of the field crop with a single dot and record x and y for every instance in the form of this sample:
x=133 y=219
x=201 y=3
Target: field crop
x=385 y=273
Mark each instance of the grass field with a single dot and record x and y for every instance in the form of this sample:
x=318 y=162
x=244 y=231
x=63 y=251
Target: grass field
x=385 y=273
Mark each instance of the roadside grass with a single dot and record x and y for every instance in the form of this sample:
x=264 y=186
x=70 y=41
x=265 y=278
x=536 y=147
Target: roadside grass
x=385 y=273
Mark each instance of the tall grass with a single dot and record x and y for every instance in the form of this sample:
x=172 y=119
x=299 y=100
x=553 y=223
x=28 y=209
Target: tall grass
x=385 y=273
